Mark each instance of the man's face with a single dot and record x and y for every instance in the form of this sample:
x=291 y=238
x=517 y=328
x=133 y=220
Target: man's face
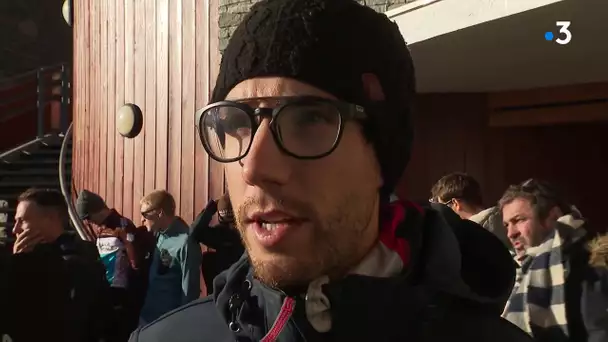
x=96 y=218
x=30 y=216
x=524 y=228
x=301 y=219
x=150 y=217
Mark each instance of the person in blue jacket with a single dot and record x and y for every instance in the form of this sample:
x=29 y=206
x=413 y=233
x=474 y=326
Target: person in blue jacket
x=174 y=275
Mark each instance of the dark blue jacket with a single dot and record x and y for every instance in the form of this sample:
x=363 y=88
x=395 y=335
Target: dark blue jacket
x=174 y=277
x=454 y=289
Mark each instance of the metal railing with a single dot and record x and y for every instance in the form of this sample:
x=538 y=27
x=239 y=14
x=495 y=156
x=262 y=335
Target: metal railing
x=33 y=93
x=83 y=230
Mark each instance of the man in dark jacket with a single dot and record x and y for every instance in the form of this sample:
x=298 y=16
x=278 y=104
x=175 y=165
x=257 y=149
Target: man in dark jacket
x=34 y=296
x=310 y=113
x=223 y=238
x=53 y=277
x=561 y=292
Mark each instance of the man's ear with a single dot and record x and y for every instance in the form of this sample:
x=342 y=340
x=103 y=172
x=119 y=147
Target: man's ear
x=554 y=214
x=456 y=205
x=372 y=87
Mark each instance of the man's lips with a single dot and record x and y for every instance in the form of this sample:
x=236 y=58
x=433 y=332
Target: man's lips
x=270 y=216
x=518 y=244
x=271 y=227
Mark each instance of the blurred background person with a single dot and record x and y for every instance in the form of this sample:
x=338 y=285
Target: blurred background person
x=561 y=290
x=60 y=276
x=462 y=193
x=223 y=239
x=123 y=250
x=175 y=268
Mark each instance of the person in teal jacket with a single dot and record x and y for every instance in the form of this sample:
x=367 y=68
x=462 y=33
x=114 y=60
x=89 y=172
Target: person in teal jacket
x=175 y=269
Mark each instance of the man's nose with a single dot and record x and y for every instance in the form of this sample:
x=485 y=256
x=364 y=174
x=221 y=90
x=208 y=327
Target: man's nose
x=512 y=232
x=265 y=163
x=17 y=228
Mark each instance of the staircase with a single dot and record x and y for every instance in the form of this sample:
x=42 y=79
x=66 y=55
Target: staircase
x=37 y=165
x=34 y=115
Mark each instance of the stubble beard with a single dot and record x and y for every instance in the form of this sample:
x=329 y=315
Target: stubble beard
x=336 y=245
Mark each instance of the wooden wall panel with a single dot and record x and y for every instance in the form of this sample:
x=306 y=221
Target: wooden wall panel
x=217 y=184
x=162 y=56
x=119 y=81
x=94 y=30
x=86 y=181
x=140 y=79
x=77 y=93
x=103 y=103
x=202 y=85
x=175 y=100
x=110 y=96
x=149 y=167
x=188 y=109
x=129 y=79
x=162 y=93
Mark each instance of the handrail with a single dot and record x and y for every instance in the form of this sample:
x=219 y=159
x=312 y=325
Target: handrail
x=84 y=233
x=23 y=146
x=34 y=72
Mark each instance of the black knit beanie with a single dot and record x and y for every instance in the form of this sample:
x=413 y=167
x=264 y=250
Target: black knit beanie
x=89 y=203
x=330 y=44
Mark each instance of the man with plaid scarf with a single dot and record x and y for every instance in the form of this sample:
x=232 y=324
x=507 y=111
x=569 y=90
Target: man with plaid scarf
x=561 y=290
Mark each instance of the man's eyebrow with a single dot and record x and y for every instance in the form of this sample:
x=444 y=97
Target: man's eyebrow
x=517 y=217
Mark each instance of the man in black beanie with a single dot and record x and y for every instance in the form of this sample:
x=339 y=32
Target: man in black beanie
x=124 y=251
x=310 y=115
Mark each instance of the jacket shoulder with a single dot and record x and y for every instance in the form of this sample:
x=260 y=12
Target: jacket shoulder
x=196 y=321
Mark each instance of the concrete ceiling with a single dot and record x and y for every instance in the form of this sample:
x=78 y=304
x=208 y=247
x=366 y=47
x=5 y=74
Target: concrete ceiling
x=484 y=45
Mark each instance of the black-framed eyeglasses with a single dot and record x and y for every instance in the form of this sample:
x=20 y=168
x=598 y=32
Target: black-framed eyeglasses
x=304 y=127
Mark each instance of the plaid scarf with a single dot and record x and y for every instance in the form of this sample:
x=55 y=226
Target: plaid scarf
x=537 y=303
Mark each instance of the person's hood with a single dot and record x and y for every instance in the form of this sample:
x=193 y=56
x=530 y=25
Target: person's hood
x=440 y=252
x=468 y=261
x=483 y=215
x=491 y=219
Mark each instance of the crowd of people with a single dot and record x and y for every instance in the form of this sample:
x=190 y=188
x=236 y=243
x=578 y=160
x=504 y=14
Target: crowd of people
x=562 y=276
x=124 y=277
x=310 y=116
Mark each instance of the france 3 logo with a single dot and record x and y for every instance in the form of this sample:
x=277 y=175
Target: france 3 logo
x=563 y=36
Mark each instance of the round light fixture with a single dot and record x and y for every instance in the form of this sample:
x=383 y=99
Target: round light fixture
x=66 y=10
x=129 y=121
